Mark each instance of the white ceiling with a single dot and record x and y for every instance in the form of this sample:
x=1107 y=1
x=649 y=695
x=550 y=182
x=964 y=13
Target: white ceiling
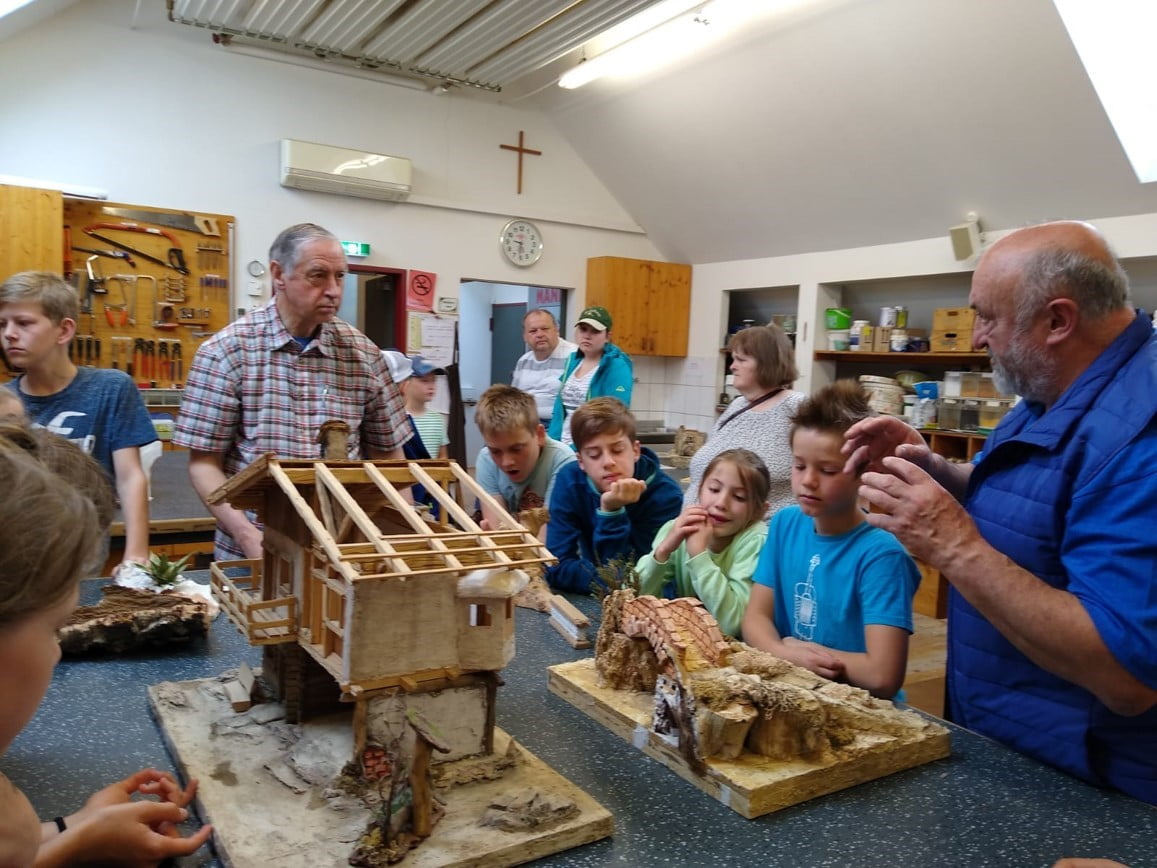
x=870 y=122
x=857 y=122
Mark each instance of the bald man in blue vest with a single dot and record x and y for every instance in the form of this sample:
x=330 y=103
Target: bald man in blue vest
x=1049 y=538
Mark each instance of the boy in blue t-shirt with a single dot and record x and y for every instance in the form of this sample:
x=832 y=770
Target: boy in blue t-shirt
x=100 y=410
x=832 y=593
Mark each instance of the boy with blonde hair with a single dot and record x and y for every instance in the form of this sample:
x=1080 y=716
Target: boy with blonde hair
x=98 y=409
x=610 y=503
x=519 y=463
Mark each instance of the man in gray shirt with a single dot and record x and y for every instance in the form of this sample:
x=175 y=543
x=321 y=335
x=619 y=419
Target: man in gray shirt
x=539 y=371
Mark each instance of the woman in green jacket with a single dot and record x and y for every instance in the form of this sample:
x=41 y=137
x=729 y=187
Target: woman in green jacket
x=596 y=369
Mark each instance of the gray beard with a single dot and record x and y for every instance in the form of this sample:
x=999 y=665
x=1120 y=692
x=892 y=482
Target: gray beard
x=1019 y=374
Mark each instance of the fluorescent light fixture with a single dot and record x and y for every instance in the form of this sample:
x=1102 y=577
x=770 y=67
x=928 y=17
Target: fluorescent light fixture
x=79 y=191
x=645 y=45
x=7 y=6
x=1114 y=40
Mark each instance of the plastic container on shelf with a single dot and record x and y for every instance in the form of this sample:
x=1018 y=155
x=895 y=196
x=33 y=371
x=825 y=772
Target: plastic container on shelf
x=838 y=318
x=927 y=389
x=987 y=387
x=970 y=384
x=838 y=340
x=948 y=413
x=909 y=406
x=885 y=395
x=952 y=380
x=991 y=411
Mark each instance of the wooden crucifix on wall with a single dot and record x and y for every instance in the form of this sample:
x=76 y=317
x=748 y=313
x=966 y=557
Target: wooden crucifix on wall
x=521 y=149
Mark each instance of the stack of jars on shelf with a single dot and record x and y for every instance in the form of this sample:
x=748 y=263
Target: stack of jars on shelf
x=969 y=401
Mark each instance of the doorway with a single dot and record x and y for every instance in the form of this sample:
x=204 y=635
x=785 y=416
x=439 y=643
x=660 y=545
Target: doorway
x=374 y=300
x=490 y=337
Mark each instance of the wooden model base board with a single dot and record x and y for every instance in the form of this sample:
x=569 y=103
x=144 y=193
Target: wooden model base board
x=750 y=785
x=258 y=821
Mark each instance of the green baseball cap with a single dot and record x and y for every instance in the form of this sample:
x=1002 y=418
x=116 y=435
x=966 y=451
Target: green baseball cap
x=596 y=317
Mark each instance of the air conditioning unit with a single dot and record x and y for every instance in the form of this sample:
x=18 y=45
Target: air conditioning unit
x=326 y=169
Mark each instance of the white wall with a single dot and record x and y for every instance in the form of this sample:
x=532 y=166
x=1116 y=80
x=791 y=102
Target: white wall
x=819 y=274
x=161 y=116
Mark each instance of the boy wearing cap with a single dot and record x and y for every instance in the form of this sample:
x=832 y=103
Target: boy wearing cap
x=596 y=369
x=416 y=378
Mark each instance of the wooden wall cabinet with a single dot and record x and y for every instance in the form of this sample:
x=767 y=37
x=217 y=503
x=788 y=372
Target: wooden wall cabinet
x=650 y=303
x=30 y=230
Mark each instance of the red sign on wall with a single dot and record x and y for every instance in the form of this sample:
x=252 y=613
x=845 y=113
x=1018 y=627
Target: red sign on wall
x=420 y=290
x=545 y=296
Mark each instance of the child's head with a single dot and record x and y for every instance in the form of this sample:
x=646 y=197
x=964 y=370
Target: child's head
x=11 y=408
x=603 y=431
x=508 y=420
x=818 y=480
x=38 y=314
x=413 y=375
x=52 y=537
x=734 y=491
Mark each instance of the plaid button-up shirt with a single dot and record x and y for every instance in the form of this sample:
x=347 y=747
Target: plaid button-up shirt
x=252 y=389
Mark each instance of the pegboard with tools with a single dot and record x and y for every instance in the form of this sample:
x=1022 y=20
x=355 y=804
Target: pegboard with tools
x=153 y=283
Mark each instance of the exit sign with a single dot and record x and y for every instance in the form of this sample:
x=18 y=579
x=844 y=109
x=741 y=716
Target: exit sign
x=356 y=248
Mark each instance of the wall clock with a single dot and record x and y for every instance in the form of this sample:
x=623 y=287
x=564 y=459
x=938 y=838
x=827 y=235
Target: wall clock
x=521 y=242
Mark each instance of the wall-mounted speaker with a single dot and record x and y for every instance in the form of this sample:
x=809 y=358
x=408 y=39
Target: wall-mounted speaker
x=965 y=240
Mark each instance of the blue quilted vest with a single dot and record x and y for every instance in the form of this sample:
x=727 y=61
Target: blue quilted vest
x=1030 y=495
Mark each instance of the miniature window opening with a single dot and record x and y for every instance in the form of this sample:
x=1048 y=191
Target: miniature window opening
x=479 y=615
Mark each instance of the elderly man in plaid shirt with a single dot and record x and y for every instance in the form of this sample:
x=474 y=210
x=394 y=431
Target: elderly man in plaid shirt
x=267 y=382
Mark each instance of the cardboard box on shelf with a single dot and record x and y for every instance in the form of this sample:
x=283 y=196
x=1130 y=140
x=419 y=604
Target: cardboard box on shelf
x=953 y=319
x=882 y=337
x=952 y=341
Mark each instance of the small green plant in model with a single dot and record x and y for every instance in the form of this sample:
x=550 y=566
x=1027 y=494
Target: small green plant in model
x=616 y=574
x=164 y=572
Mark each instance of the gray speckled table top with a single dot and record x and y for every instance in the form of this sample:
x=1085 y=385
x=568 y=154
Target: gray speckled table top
x=984 y=805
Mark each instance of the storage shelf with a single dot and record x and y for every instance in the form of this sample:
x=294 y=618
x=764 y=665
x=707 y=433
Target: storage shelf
x=914 y=358
x=952 y=432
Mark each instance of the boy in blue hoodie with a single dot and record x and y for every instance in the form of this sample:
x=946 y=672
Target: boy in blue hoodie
x=611 y=502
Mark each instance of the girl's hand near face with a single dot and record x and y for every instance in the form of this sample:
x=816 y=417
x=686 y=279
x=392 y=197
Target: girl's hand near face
x=691 y=522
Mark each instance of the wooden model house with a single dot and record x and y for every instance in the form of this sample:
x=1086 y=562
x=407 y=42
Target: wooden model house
x=360 y=598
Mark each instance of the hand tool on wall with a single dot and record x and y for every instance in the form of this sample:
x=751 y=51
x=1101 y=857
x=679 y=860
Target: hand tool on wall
x=138 y=369
x=155 y=283
x=151 y=361
x=188 y=222
x=166 y=316
x=209 y=255
x=127 y=307
x=174 y=290
x=111 y=254
x=178 y=364
x=163 y=350
x=176 y=260
x=94 y=284
x=67 y=250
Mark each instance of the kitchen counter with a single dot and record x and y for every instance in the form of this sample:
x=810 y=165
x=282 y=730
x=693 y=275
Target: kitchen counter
x=984 y=805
